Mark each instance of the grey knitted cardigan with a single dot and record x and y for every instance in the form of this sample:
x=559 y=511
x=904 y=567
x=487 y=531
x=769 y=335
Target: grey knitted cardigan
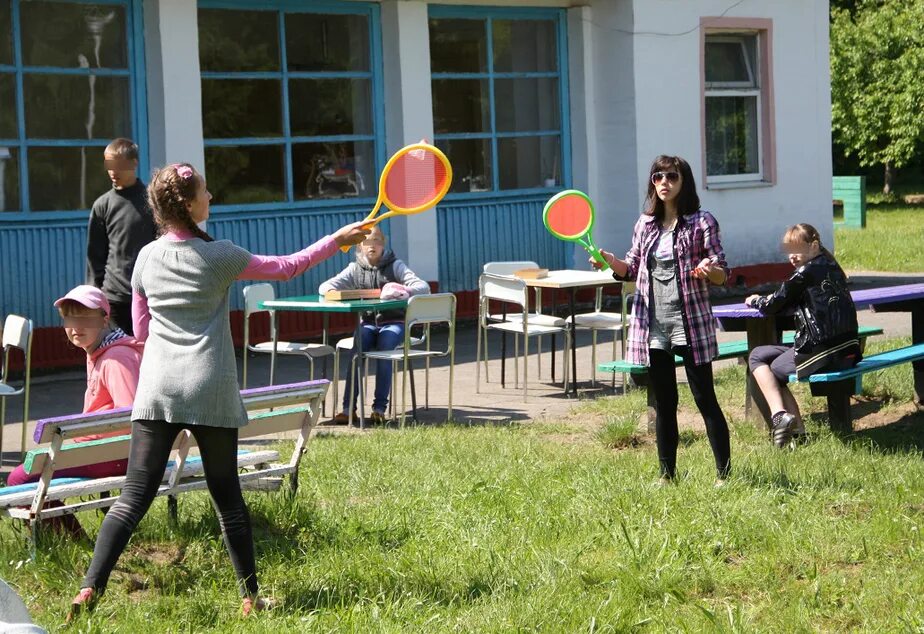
x=188 y=371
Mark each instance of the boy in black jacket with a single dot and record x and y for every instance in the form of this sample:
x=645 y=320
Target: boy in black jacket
x=120 y=224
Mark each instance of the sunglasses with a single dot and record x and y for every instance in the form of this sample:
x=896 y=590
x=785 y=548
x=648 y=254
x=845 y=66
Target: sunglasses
x=672 y=177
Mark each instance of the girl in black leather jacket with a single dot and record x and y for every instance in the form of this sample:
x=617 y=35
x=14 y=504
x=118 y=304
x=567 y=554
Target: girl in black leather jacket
x=826 y=328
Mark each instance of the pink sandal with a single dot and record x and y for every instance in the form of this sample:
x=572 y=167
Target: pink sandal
x=85 y=601
x=256 y=604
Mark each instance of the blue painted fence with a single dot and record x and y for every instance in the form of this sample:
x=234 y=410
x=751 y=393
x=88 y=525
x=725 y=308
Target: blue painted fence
x=42 y=261
x=472 y=233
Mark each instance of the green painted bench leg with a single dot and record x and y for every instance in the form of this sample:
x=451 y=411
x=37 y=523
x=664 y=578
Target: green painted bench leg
x=838 y=395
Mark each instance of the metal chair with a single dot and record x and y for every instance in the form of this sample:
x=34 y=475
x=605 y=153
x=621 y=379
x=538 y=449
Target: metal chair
x=514 y=291
x=535 y=317
x=253 y=295
x=598 y=320
x=422 y=310
x=17 y=333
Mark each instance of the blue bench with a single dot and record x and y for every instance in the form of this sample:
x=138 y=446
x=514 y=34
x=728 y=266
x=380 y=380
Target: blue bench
x=838 y=387
x=271 y=410
x=729 y=350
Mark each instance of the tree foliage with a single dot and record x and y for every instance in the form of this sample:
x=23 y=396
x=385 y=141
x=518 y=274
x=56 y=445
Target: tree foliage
x=877 y=92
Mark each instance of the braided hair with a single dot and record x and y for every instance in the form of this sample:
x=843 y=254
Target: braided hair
x=171 y=189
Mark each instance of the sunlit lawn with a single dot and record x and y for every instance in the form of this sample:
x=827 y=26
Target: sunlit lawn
x=551 y=527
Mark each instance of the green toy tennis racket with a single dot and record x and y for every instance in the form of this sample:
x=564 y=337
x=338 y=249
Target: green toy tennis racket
x=569 y=215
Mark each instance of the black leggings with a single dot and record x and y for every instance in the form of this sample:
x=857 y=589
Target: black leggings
x=151 y=444
x=663 y=376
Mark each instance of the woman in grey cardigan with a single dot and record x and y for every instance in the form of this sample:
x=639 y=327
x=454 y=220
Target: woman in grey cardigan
x=188 y=374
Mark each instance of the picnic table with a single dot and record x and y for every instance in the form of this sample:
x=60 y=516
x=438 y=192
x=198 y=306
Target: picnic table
x=766 y=330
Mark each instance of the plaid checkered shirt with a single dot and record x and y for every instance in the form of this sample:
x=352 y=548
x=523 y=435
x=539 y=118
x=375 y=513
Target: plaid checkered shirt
x=696 y=237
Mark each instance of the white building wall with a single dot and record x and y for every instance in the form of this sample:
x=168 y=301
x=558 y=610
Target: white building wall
x=603 y=115
x=669 y=119
x=174 y=87
x=409 y=118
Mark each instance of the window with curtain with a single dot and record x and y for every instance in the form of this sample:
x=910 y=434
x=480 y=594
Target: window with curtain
x=733 y=108
x=289 y=103
x=68 y=86
x=498 y=91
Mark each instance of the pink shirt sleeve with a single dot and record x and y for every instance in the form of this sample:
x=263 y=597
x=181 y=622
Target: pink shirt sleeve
x=285 y=267
x=140 y=316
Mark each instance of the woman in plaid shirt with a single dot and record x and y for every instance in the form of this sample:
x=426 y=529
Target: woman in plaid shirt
x=675 y=254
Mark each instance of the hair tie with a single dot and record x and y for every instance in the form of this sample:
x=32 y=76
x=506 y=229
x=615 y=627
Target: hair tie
x=183 y=171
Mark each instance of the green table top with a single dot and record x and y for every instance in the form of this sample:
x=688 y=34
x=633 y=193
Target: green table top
x=316 y=303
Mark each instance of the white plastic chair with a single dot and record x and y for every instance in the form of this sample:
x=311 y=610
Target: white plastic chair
x=422 y=310
x=536 y=317
x=598 y=320
x=17 y=333
x=514 y=291
x=253 y=295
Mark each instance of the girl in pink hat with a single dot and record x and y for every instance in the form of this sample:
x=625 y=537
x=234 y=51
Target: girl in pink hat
x=113 y=364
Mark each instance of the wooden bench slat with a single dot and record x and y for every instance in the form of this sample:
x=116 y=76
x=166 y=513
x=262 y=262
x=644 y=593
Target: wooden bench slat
x=64 y=488
x=100 y=422
x=727 y=350
x=869 y=364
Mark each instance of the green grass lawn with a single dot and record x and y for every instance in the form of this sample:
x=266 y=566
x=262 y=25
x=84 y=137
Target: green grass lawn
x=891 y=241
x=551 y=527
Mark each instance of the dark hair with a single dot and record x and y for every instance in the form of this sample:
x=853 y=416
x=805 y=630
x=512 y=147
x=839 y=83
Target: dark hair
x=123 y=148
x=687 y=199
x=168 y=195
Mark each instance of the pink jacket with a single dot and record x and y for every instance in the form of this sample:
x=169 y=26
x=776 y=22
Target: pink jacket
x=112 y=378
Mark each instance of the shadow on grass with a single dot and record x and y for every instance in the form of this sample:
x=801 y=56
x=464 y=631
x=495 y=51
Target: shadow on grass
x=904 y=435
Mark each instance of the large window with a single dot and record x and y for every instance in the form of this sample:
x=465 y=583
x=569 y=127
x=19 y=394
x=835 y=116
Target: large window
x=499 y=91
x=737 y=117
x=289 y=103
x=67 y=87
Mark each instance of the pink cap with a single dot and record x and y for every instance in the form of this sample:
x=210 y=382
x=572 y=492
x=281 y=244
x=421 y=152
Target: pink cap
x=88 y=296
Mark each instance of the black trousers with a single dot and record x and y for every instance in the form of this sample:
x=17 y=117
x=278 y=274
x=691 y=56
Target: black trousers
x=151 y=443
x=120 y=314
x=663 y=376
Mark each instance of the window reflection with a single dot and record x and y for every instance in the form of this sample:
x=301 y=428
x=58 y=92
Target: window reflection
x=496 y=103
x=6 y=34
x=461 y=105
x=238 y=40
x=98 y=107
x=319 y=107
x=73 y=35
x=526 y=162
x=327 y=42
x=241 y=107
x=66 y=178
x=458 y=46
x=9 y=179
x=246 y=174
x=524 y=46
x=334 y=170
x=471 y=164
x=8 y=127
x=528 y=104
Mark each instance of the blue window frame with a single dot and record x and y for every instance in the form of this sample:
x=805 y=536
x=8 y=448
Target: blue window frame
x=500 y=97
x=292 y=103
x=71 y=80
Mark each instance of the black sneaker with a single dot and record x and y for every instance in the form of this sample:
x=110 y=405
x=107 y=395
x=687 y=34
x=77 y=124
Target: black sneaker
x=782 y=429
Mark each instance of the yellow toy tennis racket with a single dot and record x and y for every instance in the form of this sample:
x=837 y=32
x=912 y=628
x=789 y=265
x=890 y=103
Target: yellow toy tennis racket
x=415 y=179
